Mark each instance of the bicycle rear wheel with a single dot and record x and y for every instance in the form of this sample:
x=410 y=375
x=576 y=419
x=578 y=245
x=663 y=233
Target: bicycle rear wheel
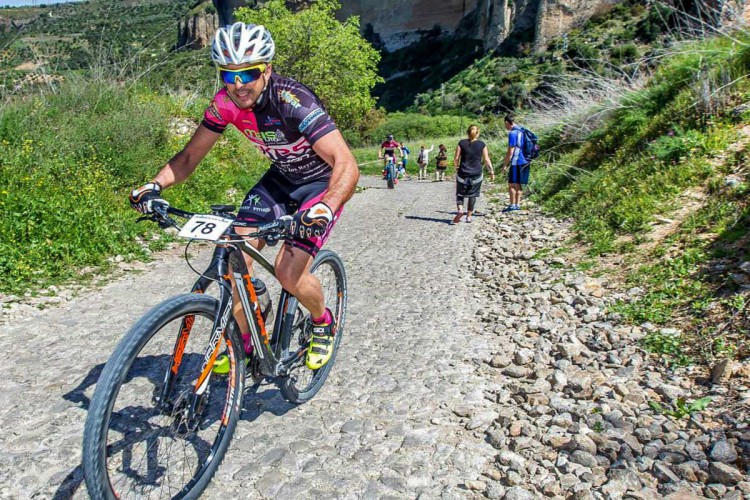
x=303 y=383
x=142 y=442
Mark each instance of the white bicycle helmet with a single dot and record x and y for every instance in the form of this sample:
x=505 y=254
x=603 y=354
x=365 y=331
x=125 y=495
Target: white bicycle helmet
x=242 y=43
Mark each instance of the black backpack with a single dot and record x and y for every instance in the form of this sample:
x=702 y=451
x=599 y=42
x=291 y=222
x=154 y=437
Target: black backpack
x=530 y=146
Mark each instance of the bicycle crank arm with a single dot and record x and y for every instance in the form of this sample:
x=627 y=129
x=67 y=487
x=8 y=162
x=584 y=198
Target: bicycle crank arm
x=282 y=367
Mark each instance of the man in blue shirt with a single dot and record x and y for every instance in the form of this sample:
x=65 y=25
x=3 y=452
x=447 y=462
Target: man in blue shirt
x=518 y=174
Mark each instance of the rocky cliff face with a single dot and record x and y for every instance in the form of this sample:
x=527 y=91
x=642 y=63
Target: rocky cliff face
x=399 y=23
x=197 y=30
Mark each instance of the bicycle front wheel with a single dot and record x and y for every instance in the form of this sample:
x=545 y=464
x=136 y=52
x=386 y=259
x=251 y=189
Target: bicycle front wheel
x=149 y=432
x=303 y=383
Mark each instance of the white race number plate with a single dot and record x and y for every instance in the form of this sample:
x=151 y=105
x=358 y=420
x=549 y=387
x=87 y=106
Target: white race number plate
x=205 y=227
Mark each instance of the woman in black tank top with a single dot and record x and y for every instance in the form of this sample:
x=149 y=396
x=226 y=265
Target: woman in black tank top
x=468 y=162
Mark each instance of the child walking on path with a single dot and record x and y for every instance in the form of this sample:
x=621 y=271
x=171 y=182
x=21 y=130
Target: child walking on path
x=441 y=163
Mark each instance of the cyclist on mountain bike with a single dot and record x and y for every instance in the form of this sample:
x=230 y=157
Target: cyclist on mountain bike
x=389 y=151
x=312 y=174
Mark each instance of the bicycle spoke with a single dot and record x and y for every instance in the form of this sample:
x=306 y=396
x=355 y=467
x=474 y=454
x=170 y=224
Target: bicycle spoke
x=303 y=382
x=156 y=447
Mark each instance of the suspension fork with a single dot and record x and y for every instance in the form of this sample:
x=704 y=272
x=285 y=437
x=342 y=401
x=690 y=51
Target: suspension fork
x=186 y=325
x=221 y=324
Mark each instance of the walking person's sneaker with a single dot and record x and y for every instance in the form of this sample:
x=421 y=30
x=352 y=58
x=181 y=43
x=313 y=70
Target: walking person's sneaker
x=321 y=343
x=509 y=208
x=458 y=217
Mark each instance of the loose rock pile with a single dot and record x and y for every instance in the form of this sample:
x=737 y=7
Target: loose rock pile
x=573 y=386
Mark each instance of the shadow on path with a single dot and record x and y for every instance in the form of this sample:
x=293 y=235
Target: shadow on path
x=448 y=221
x=428 y=219
x=254 y=405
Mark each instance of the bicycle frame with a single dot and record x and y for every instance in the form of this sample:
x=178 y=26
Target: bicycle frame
x=391 y=169
x=267 y=350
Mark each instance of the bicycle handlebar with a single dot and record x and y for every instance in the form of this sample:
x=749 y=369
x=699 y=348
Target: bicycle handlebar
x=271 y=231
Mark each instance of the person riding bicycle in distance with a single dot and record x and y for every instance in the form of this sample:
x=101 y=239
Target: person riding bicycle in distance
x=312 y=169
x=389 y=151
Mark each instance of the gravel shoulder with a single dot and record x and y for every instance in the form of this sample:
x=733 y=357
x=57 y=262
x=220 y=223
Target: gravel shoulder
x=476 y=364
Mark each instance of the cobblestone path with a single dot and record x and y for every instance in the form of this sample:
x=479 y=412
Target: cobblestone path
x=395 y=419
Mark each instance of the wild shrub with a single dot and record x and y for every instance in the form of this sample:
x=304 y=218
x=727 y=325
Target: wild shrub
x=409 y=126
x=658 y=142
x=625 y=53
x=69 y=160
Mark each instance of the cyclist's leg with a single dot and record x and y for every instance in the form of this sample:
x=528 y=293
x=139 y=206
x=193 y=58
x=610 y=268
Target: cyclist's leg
x=293 y=262
x=264 y=203
x=293 y=272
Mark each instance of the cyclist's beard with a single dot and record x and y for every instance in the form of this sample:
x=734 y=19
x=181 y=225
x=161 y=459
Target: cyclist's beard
x=249 y=100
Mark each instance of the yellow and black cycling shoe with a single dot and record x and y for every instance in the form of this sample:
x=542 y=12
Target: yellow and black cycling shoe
x=221 y=365
x=321 y=345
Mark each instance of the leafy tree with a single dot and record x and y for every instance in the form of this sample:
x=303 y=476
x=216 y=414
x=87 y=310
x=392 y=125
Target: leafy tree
x=328 y=55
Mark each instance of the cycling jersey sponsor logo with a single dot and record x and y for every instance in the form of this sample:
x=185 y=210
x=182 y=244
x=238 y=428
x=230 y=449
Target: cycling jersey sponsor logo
x=297 y=151
x=266 y=137
x=272 y=121
x=215 y=112
x=310 y=118
x=255 y=204
x=289 y=98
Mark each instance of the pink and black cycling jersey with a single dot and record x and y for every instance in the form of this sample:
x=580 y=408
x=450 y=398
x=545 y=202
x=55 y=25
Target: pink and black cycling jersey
x=390 y=147
x=284 y=125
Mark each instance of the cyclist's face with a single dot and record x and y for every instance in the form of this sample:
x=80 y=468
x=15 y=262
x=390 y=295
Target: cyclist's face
x=245 y=94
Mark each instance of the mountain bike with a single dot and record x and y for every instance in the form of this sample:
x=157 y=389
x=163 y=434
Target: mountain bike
x=390 y=173
x=160 y=421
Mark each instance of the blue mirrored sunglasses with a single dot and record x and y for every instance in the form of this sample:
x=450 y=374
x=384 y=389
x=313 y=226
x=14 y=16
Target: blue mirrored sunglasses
x=243 y=76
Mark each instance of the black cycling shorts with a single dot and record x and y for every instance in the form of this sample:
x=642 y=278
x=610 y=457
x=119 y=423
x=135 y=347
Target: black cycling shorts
x=274 y=196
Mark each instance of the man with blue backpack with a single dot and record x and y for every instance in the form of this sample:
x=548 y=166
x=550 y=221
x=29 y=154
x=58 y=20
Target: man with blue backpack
x=522 y=148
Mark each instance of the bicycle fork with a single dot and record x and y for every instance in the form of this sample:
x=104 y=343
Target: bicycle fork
x=186 y=326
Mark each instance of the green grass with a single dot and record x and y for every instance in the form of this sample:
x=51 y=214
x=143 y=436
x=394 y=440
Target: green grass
x=69 y=160
x=84 y=37
x=672 y=137
x=650 y=150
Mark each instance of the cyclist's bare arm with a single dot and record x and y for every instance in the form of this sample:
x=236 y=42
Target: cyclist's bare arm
x=333 y=149
x=183 y=163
